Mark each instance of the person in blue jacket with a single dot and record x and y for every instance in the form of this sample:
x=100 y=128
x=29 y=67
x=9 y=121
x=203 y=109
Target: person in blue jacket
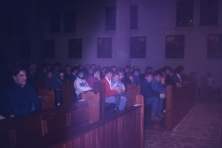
x=19 y=98
x=151 y=96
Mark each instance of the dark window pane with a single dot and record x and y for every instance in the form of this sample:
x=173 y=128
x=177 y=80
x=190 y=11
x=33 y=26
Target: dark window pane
x=25 y=49
x=209 y=12
x=133 y=16
x=111 y=18
x=49 y=49
x=69 y=21
x=184 y=13
x=75 y=48
x=55 y=22
x=138 y=47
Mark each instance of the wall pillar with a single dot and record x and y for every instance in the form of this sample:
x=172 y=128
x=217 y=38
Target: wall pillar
x=122 y=33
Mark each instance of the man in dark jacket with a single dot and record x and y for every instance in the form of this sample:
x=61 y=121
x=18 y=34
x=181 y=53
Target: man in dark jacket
x=151 y=97
x=20 y=98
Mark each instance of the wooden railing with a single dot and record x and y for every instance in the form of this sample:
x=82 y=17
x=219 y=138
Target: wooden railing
x=178 y=103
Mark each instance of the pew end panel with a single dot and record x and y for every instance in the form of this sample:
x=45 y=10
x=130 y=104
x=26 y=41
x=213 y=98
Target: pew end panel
x=68 y=93
x=132 y=91
x=178 y=103
x=94 y=105
x=47 y=98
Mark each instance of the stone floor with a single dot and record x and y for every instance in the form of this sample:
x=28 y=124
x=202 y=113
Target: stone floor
x=201 y=128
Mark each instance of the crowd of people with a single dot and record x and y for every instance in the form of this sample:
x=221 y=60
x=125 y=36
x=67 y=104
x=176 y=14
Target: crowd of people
x=19 y=92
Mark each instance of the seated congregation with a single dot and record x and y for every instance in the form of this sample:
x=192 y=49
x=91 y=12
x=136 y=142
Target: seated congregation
x=20 y=95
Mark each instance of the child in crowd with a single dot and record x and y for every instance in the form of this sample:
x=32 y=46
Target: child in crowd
x=116 y=84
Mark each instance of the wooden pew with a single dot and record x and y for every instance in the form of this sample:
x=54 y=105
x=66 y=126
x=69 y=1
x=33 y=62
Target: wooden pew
x=47 y=98
x=110 y=132
x=179 y=101
x=94 y=105
x=132 y=91
x=99 y=88
x=68 y=94
x=40 y=84
x=19 y=130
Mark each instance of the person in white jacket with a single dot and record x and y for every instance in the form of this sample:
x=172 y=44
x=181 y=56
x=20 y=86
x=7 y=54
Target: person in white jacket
x=80 y=85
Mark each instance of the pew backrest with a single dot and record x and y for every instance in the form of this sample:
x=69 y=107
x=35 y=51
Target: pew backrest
x=178 y=103
x=99 y=88
x=112 y=131
x=47 y=98
x=132 y=91
x=94 y=105
x=22 y=129
x=68 y=93
x=40 y=84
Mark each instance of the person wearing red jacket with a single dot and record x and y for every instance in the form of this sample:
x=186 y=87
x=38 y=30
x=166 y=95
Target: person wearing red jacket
x=110 y=94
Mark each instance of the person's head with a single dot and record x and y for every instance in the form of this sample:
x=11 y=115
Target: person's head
x=96 y=73
x=136 y=72
x=49 y=67
x=19 y=76
x=61 y=74
x=167 y=69
x=158 y=75
x=171 y=72
x=113 y=68
x=179 y=69
x=80 y=74
x=75 y=70
x=108 y=73
x=130 y=76
x=33 y=68
x=127 y=69
x=60 y=66
x=56 y=68
x=163 y=72
x=116 y=76
x=87 y=66
x=149 y=69
x=68 y=68
x=44 y=70
x=93 y=66
x=49 y=74
x=121 y=74
x=149 y=76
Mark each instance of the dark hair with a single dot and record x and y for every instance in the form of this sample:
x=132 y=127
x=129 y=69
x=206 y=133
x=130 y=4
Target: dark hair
x=148 y=73
x=115 y=73
x=107 y=70
x=129 y=74
x=158 y=72
x=128 y=67
x=149 y=68
x=165 y=68
x=95 y=70
x=80 y=71
x=179 y=69
x=61 y=71
x=134 y=70
x=15 y=70
x=75 y=68
x=49 y=71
